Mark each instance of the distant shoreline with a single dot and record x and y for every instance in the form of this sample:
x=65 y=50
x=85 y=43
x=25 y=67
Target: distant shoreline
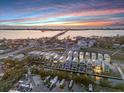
x=63 y=29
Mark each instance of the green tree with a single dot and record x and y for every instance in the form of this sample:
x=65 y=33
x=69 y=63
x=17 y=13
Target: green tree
x=119 y=86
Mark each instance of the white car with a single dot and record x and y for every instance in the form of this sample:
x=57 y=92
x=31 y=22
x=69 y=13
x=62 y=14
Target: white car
x=90 y=88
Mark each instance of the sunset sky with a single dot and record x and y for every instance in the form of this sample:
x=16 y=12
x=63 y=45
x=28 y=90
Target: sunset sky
x=62 y=12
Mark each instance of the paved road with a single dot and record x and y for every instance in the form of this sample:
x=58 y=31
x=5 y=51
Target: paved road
x=52 y=49
x=115 y=52
x=43 y=88
x=120 y=71
x=118 y=67
x=14 y=52
x=30 y=77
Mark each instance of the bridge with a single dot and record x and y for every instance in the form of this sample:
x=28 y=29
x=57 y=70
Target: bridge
x=59 y=34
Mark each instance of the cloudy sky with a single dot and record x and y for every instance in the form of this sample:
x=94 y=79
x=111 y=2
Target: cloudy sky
x=62 y=12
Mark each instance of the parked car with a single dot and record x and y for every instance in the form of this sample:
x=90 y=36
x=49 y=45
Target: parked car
x=62 y=83
x=71 y=83
x=90 y=88
x=53 y=82
x=46 y=80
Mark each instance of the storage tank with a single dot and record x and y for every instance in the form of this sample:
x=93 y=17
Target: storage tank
x=100 y=56
x=87 y=56
x=93 y=56
x=107 y=58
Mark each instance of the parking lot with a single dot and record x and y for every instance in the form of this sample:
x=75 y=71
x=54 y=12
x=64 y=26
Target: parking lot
x=44 y=88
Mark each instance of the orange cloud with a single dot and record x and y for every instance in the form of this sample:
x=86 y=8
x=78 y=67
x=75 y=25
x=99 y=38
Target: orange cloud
x=102 y=23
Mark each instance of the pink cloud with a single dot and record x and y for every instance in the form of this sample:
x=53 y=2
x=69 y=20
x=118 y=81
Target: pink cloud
x=73 y=14
x=98 y=12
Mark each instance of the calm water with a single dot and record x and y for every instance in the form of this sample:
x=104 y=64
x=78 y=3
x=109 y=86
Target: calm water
x=38 y=34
